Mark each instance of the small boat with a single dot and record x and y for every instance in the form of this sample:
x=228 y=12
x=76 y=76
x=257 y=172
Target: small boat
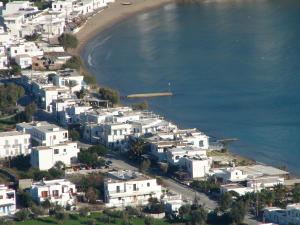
x=126 y=3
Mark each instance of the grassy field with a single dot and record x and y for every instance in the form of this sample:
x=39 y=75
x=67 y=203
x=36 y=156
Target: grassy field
x=99 y=218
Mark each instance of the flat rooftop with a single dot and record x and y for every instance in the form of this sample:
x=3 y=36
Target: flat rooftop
x=260 y=169
x=11 y=133
x=125 y=175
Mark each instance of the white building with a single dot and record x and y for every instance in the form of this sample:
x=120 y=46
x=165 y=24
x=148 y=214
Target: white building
x=24 y=61
x=175 y=154
x=44 y=157
x=260 y=183
x=70 y=79
x=14 y=143
x=234 y=187
x=230 y=174
x=290 y=215
x=123 y=188
x=173 y=202
x=61 y=192
x=44 y=133
x=7 y=201
x=197 y=166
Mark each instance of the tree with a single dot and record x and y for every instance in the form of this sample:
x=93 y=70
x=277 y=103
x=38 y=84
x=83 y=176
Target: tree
x=184 y=211
x=46 y=204
x=81 y=94
x=225 y=201
x=15 y=69
x=59 y=165
x=110 y=95
x=140 y=106
x=149 y=221
x=56 y=173
x=73 y=63
x=238 y=211
x=100 y=150
x=29 y=112
x=91 y=195
x=296 y=194
x=164 y=168
x=145 y=165
x=137 y=148
x=74 y=135
x=199 y=216
x=25 y=199
x=22 y=215
x=68 y=41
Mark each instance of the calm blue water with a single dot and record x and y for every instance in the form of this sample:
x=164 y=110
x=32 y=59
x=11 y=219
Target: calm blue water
x=234 y=67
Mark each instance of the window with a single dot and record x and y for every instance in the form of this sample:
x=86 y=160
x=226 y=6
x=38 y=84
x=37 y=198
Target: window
x=66 y=135
x=54 y=137
x=55 y=193
x=25 y=141
x=44 y=194
x=201 y=144
x=118 y=189
x=148 y=184
x=1 y=196
x=56 y=151
x=65 y=150
x=119 y=198
x=115 y=132
x=134 y=187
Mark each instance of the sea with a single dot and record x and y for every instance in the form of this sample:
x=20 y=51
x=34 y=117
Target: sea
x=233 y=67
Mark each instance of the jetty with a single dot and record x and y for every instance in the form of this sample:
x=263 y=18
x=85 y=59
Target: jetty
x=150 y=95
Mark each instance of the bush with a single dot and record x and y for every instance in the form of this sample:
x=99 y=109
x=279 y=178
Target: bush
x=25 y=199
x=74 y=135
x=140 y=106
x=37 y=211
x=74 y=216
x=73 y=63
x=91 y=222
x=84 y=211
x=61 y=216
x=68 y=41
x=22 y=215
x=110 y=95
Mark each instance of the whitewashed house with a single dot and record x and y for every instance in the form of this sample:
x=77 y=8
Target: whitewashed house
x=196 y=166
x=229 y=175
x=264 y=182
x=44 y=133
x=124 y=188
x=45 y=157
x=70 y=79
x=235 y=187
x=175 y=154
x=172 y=202
x=61 y=192
x=14 y=143
x=7 y=201
x=23 y=60
x=290 y=215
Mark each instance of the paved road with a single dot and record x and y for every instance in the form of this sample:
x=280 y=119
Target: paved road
x=186 y=192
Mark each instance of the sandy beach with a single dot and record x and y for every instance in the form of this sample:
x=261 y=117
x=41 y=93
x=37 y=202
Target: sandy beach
x=115 y=13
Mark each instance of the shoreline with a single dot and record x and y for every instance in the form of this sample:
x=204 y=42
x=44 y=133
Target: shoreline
x=113 y=14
